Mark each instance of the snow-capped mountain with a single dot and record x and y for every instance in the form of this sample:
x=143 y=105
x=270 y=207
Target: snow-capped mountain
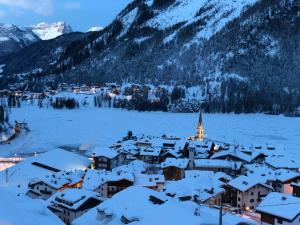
x=243 y=54
x=12 y=38
x=95 y=29
x=48 y=31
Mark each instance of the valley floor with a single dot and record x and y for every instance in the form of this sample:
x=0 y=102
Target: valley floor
x=104 y=126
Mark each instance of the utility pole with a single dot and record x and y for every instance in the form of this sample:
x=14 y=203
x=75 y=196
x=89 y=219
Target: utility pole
x=221 y=215
x=6 y=173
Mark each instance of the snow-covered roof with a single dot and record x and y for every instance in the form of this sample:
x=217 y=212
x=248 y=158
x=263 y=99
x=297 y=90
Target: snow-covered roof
x=148 y=180
x=284 y=175
x=280 y=205
x=296 y=184
x=150 y=151
x=105 y=152
x=95 y=178
x=62 y=160
x=201 y=173
x=21 y=210
x=156 y=207
x=59 y=179
x=234 y=153
x=258 y=169
x=281 y=162
x=244 y=183
x=180 y=163
x=217 y=163
x=205 y=186
x=72 y=198
x=45 y=164
x=135 y=167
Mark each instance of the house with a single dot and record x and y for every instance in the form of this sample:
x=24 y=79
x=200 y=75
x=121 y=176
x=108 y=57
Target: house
x=283 y=180
x=43 y=164
x=173 y=169
x=46 y=186
x=115 y=184
x=169 y=153
x=152 y=181
x=249 y=190
x=76 y=89
x=143 y=142
x=282 y=162
x=202 y=187
x=278 y=208
x=84 y=88
x=232 y=155
x=107 y=158
x=229 y=167
x=72 y=203
x=296 y=189
x=197 y=149
x=150 y=155
x=107 y=183
x=138 y=205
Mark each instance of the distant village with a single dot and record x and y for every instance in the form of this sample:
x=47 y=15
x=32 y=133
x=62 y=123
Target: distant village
x=164 y=180
x=131 y=96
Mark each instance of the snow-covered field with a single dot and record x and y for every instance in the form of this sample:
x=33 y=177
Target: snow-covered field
x=103 y=126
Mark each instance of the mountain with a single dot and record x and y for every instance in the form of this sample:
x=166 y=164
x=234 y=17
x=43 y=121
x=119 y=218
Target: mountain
x=47 y=31
x=243 y=54
x=12 y=38
x=95 y=29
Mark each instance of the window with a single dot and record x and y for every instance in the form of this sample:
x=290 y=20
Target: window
x=252 y=193
x=258 y=193
x=279 y=221
x=251 y=200
x=239 y=199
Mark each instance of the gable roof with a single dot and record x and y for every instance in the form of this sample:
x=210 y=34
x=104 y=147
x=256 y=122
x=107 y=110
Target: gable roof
x=244 y=183
x=233 y=153
x=180 y=163
x=217 y=163
x=150 y=151
x=282 y=162
x=105 y=152
x=72 y=198
x=95 y=178
x=280 y=205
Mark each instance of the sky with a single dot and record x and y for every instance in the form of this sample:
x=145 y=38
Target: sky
x=80 y=14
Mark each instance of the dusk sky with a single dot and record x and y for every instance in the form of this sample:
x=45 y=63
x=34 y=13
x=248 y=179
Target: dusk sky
x=80 y=14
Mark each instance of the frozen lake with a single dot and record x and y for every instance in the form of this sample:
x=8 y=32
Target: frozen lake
x=103 y=126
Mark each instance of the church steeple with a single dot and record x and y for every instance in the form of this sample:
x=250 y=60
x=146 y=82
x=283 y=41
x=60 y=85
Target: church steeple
x=200 y=128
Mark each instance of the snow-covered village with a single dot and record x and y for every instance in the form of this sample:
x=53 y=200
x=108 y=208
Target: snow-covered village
x=149 y=112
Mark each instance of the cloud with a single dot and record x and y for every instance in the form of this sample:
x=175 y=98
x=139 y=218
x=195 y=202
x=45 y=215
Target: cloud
x=42 y=7
x=72 y=5
x=2 y=14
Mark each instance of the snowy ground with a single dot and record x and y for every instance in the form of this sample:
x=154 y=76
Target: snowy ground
x=103 y=126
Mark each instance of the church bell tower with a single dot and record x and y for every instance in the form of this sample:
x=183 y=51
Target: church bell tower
x=200 y=128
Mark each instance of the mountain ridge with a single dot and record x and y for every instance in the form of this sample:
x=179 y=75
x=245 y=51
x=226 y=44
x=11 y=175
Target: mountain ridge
x=242 y=53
